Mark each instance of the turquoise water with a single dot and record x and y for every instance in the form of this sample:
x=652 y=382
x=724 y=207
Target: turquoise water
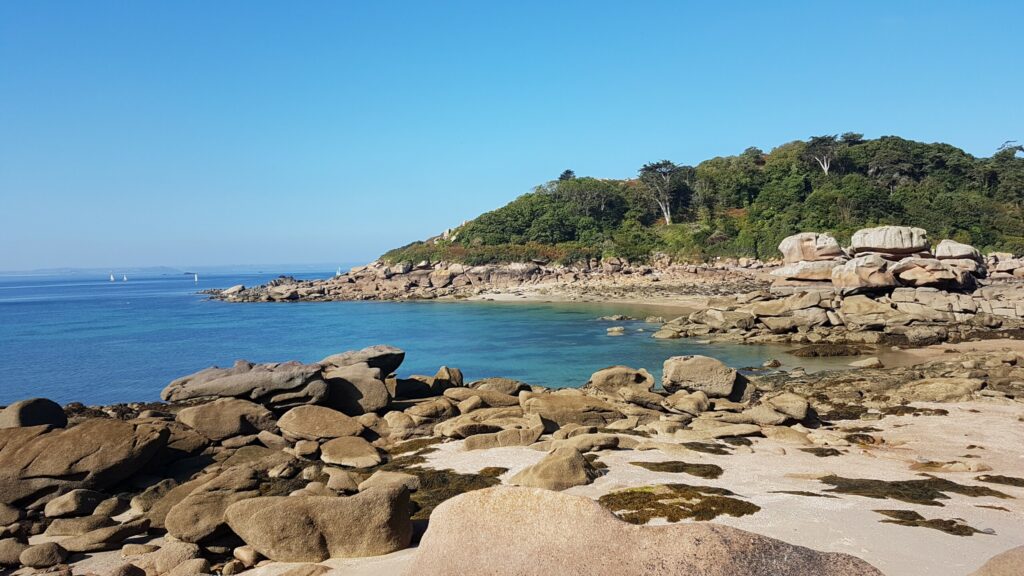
x=97 y=342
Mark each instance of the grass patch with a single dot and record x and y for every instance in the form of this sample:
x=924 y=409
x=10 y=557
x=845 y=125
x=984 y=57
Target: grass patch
x=675 y=502
x=927 y=491
x=706 y=471
x=911 y=518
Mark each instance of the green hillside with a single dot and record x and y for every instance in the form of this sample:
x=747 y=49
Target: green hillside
x=744 y=205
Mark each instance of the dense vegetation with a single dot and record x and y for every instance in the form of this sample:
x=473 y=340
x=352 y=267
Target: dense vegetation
x=744 y=205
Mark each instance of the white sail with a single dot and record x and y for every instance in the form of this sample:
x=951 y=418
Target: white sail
x=196 y=279
x=111 y=276
x=338 y=273
x=124 y=278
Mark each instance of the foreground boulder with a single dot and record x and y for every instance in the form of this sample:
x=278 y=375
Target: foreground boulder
x=37 y=463
x=315 y=528
x=516 y=531
x=698 y=373
x=1009 y=563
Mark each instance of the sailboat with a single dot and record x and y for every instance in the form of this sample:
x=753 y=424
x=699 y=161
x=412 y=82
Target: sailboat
x=195 y=278
x=338 y=273
x=111 y=276
x=124 y=278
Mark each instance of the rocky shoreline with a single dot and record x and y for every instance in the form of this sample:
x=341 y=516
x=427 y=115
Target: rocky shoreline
x=292 y=468
x=889 y=287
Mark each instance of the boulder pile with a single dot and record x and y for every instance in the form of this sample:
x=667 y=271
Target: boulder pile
x=878 y=259
x=886 y=287
x=231 y=473
x=429 y=280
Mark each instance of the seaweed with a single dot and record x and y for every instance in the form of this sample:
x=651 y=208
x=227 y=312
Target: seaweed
x=991 y=507
x=737 y=441
x=862 y=439
x=821 y=452
x=708 y=448
x=675 y=502
x=641 y=433
x=844 y=412
x=927 y=491
x=903 y=410
x=707 y=471
x=595 y=462
x=1006 y=480
x=414 y=445
x=436 y=486
x=911 y=518
x=492 y=471
x=803 y=493
x=827 y=350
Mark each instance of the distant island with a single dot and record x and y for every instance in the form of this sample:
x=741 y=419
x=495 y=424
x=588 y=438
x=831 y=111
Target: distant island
x=744 y=205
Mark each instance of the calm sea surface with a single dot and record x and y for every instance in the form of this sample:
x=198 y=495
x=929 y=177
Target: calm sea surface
x=94 y=341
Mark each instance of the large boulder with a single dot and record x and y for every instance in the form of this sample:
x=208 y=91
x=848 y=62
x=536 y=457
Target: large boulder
x=890 y=240
x=356 y=388
x=938 y=390
x=928 y=272
x=227 y=417
x=33 y=412
x=809 y=246
x=385 y=358
x=693 y=373
x=315 y=528
x=860 y=312
x=864 y=273
x=506 y=531
x=953 y=250
x=351 y=451
x=200 y=515
x=78 y=502
x=38 y=463
x=560 y=409
x=562 y=468
x=276 y=385
x=316 y=423
x=609 y=380
x=819 y=271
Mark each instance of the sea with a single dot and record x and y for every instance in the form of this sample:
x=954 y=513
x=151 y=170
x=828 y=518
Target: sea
x=82 y=338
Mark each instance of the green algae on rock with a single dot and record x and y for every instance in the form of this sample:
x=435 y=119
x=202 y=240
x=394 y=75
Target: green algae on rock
x=707 y=471
x=675 y=502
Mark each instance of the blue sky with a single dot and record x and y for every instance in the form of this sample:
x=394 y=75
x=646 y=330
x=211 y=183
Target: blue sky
x=202 y=133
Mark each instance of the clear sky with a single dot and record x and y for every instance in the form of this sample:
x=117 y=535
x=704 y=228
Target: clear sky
x=193 y=132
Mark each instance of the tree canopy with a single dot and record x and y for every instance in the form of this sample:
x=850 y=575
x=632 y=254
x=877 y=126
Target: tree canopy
x=744 y=205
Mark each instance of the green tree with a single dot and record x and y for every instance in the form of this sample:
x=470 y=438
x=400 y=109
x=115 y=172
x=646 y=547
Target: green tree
x=663 y=183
